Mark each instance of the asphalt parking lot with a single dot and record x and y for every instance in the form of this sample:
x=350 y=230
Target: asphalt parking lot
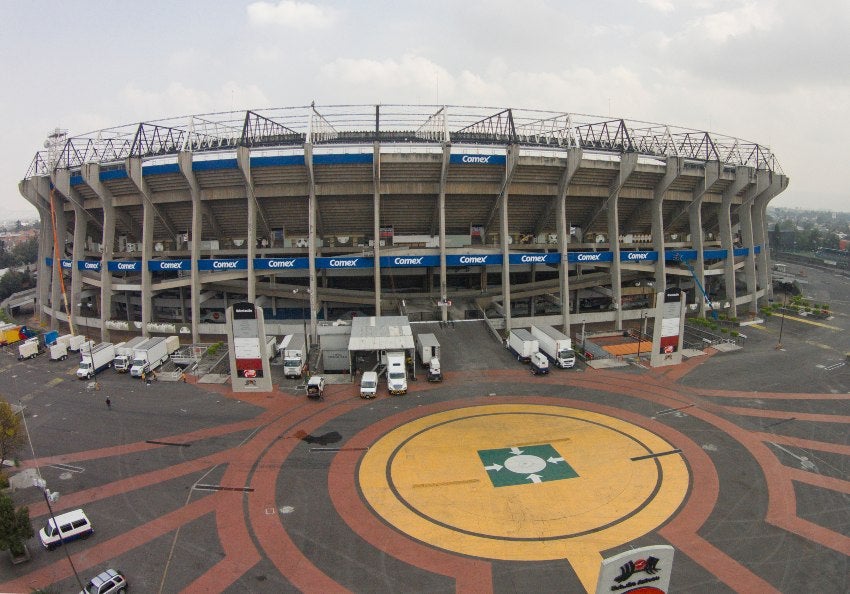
x=192 y=488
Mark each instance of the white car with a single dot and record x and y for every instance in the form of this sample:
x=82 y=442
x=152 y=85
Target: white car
x=106 y=583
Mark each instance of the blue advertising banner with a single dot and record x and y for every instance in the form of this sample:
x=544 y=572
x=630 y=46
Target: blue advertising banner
x=673 y=255
x=281 y=263
x=344 y=262
x=169 y=265
x=474 y=260
x=477 y=159
x=125 y=266
x=741 y=251
x=224 y=264
x=409 y=261
x=643 y=256
x=538 y=258
x=589 y=257
x=88 y=265
x=714 y=254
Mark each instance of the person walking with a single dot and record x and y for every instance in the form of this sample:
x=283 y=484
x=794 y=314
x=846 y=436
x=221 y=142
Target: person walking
x=108 y=403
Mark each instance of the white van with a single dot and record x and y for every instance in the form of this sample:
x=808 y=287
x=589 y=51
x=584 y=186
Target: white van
x=369 y=384
x=71 y=525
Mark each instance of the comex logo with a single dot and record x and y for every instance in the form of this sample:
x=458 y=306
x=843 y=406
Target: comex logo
x=589 y=257
x=476 y=159
x=533 y=259
x=126 y=266
x=473 y=259
x=638 y=255
x=403 y=261
x=171 y=265
x=91 y=265
x=225 y=264
x=344 y=263
x=281 y=263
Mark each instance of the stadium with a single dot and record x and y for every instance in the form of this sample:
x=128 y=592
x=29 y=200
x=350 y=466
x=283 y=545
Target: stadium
x=435 y=212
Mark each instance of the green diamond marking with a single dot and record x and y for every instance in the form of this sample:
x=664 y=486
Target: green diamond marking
x=525 y=465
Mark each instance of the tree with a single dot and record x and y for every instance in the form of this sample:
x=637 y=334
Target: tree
x=15 y=527
x=11 y=434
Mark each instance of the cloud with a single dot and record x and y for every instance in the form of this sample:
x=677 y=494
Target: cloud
x=742 y=19
x=291 y=14
x=177 y=99
x=660 y=5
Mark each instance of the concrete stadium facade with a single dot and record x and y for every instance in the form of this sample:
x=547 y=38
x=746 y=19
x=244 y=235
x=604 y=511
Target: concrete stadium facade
x=376 y=208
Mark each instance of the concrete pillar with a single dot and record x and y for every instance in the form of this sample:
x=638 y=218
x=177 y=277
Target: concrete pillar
x=312 y=207
x=243 y=159
x=184 y=161
x=133 y=166
x=511 y=161
x=745 y=222
x=570 y=167
x=441 y=209
x=674 y=170
x=91 y=176
x=29 y=189
x=376 y=222
x=712 y=174
x=742 y=179
x=56 y=298
x=628 y=162
x=778 y=184
x=62 y=180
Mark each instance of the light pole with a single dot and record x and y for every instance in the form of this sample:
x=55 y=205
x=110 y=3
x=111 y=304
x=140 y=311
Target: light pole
x=49 y=497
x=304 y=321
x=782 y=320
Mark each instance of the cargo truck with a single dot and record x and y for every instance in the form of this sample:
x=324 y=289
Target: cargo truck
x=292 y=348
x=522 y=344
x=96 y=359
x=396 y=373
x=435 y=373
x=556 y=345
x=75 y=342
x=12 y=333
x=124 y=354
x=50 y=338
x=59 y=351
x=29 y=349
x=149 y=356
x=172 y=343
x=428 y=348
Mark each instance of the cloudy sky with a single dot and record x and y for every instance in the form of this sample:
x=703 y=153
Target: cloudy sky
x=776 y=72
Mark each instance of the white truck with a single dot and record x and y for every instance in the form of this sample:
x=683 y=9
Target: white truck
x=556 y=345
x=149 y=355
x=396 y=373
x=124 y=354
x=75 y=342
x=427 y=347
x=435 y=373
x=292 y=348
x=29 y=349
x=95 y=360
x=172 y=343
x=59 y=351
x=522 y=344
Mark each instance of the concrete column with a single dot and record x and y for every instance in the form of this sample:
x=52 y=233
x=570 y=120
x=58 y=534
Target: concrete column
x=56 y=298
x=778 y=184
x=91 y=175
x=712 y=174
x=742 y=179
x=745 y=222
x=570 y=167
x=674 y=170
x=511 y=161
x=184 y=161
x=441 y=208
x=312 y=208
x=628 y=162
x=29 y=189
x=376 y=222
x=243 y=159
x=62 y=180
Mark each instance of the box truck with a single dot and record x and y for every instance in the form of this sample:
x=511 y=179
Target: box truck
x=556 y=345
x=149 y=356
x=124 y=354
x=172 y=343
x=29 y=349
x=522 y=344
x=59 y=351
x=435 y=373
x=95 y=360
x=292 y=348
x=50 y=338
x=75 y=342
x=396 y=373
x=428 y=347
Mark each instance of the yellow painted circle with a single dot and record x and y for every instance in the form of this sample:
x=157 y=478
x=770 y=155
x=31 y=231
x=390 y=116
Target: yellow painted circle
x=427 y=479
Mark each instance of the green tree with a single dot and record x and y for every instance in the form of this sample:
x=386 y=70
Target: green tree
x=26 y=252
x=15 y=526
x=11 y=432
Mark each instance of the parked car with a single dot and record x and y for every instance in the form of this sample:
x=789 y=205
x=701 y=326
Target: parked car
x=107 y=582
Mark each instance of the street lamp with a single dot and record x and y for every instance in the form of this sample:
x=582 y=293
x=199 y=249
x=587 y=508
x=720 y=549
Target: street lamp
x=304 y=319
x=782 y=320
x=49 y=497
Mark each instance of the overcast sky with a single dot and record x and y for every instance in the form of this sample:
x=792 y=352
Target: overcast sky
x=774 y=72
